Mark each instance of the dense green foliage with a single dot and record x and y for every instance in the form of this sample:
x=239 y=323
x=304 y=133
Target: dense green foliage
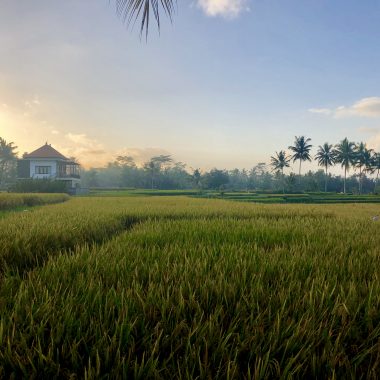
x=11 y=201
x=39 y=186
x=8 y=157
x=187 y=288
x=259 y=178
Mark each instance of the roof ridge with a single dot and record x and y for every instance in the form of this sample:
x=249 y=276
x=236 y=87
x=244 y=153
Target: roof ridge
x=45 y=151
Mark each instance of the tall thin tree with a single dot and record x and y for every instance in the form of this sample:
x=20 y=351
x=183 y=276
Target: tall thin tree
x=278 y=163
x=301 y=149
x=345 y=155
x=363 y=160
x=376 y=166
x=325 y=157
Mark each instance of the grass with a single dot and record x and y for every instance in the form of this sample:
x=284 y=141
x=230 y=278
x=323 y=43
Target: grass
x=177 y=287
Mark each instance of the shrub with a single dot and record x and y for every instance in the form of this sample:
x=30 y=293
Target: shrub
x=39 y=186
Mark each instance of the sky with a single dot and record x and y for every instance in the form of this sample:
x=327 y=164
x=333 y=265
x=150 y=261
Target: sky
x=226 y=84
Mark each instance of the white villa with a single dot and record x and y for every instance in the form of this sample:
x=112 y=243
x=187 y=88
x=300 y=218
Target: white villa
x=47 y=163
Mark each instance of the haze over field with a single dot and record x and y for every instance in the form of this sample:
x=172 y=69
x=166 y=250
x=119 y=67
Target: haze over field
x=226 y=85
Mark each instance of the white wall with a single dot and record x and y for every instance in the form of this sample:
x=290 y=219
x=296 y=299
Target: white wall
x=34 y=163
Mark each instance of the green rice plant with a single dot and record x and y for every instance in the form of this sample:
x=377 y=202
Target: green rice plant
x=198 y=289
x=10 y=201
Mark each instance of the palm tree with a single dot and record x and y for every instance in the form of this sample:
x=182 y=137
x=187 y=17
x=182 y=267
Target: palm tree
x=325 y=157
x=130 y=10
x=7 y=156
x=363 y=161
x=368 y=163
x=196 y=177
x=345 y=155
x=376 y=165
x=301 y=151
x=278 y=163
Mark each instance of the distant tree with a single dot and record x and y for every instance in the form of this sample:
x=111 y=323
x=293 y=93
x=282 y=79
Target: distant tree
x=376 y=165
x=196 y=178
x=245 y=179
x=216 y=179
x=125 y=161
x=363 y=161
x=278 y=163
x=155 y=164
x=129 y=174
x=301 y=149
x=8 y=157
x=90 y=178
x=257 y=175
x=345 y=155
x=291 y=181
x=368 y=163
x=325 y=157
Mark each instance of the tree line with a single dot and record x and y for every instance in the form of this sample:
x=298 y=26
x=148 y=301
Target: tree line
x=163 y=172
x=346 y=153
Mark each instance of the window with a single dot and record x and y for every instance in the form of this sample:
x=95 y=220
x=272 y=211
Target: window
x=43 y=170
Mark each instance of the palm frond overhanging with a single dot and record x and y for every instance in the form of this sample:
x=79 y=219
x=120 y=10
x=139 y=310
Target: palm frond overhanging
x=132 y=10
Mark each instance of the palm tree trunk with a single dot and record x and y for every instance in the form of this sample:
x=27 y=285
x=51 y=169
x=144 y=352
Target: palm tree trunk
x=326 y=181
x=344 y=183
x=2 y=170
x=283 y=181
x=299 y=173
x=360 y=179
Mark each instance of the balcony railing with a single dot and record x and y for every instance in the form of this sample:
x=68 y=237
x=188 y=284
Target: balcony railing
x=68 y=175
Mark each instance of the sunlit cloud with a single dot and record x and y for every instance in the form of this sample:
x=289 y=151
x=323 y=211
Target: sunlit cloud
x=366 y=107
x=374 y=142
x=85 y=149
x=223 y=8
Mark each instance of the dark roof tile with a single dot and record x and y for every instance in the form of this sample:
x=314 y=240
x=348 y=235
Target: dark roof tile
x=46 y=151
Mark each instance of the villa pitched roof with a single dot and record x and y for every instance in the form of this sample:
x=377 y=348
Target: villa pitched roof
x=46 y=151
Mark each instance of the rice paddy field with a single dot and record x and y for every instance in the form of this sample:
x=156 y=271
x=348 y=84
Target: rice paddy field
x=166 y=287
x=248 y=196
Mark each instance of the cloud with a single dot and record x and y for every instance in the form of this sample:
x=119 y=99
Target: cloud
x=223 y=8
x=374 y=142
x=88 y=151
x=368 y=130
x=32 y=103
x=366 y=107
x=322 y=111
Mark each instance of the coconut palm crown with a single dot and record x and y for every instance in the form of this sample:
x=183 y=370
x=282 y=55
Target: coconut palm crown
x=301 y=149
x=345 y=155
x=325 y=157
x=278 y=163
